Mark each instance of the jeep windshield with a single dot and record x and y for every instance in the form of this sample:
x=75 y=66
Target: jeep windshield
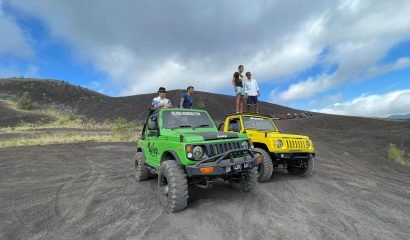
x=258 y=123
x=186 y=119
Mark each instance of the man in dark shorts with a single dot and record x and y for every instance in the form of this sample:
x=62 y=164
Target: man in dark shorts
x=251 y=90
x=237 y=82
x=186 y=99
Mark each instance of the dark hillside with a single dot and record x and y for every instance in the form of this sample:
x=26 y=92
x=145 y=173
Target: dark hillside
x=46 y=93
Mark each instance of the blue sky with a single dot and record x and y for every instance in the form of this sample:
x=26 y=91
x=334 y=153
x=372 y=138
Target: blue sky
x=347 y=57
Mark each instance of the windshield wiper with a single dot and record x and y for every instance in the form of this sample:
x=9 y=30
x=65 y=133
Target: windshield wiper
x=202 y=125
x=182 y=126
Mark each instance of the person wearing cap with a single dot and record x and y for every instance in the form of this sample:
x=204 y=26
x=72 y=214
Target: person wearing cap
x=161 y=101
x=186 y=99
x=251 y=91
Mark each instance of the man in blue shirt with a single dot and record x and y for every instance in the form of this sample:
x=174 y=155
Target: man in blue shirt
x=186 y=98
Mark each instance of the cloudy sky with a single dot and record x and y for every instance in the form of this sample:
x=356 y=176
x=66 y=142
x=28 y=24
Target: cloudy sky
x=345 y=57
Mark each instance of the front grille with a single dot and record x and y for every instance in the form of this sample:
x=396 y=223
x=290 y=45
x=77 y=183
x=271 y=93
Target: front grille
x=295 y=144
x=214 y=149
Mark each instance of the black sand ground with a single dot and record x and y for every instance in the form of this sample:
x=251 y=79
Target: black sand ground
x=87 y=191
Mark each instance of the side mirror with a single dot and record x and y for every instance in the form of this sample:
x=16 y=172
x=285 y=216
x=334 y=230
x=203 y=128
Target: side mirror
x=152 y=125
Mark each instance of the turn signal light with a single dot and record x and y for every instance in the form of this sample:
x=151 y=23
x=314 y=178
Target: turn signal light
x=259 y=160
x=206 y=170
x=188 y=148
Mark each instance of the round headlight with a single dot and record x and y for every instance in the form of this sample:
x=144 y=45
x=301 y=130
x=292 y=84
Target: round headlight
x=245 y=144
x=307 y=144
x=197 y=152
x=279 y=143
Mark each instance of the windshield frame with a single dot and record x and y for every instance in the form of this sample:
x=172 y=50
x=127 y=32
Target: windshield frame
x=275 y=128
x=211 y=123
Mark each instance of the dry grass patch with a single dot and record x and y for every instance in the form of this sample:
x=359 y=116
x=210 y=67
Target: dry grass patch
x=46 y=139
x=396 y=155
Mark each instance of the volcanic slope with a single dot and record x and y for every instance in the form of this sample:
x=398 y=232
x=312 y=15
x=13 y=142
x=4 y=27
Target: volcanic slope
x=55 y=93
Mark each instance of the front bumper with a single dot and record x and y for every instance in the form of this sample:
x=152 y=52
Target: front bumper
x=294 y=155
x=225 y=164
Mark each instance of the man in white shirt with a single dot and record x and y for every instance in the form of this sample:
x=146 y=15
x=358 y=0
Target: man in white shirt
x=161 y=101
x=251 y=91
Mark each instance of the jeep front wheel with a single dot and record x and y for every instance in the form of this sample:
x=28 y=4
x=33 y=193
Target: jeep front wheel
x=245 y=181
x=172 y=186
x=304 y=169
x=265 y=169
x=141 y=171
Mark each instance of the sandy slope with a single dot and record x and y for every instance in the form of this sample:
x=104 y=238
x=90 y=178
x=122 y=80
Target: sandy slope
x=87 y=191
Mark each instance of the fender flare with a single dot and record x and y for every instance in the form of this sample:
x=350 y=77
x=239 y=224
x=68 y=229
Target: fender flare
x=173 y=153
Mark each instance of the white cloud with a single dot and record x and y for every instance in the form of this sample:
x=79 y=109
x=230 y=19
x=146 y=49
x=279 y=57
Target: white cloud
x=176 y=43
x=401 y=63
x=383 y=105
x=13 y=42
x=143 y=45
x=358 y=36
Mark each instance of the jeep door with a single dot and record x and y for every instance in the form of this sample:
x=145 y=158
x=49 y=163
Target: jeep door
x=152 y=154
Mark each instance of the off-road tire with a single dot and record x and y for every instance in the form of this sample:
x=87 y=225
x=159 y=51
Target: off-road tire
x=303 y=172
x=172 y=186
x=142 y=173
x=247 y=181
x=265 y=169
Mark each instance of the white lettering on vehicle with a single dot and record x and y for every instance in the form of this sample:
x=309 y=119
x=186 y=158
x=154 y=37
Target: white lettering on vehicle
x=222 y=136
x=186 y=113
x=260 y=119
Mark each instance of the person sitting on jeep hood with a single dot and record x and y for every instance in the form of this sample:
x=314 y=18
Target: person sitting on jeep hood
x=161 y=101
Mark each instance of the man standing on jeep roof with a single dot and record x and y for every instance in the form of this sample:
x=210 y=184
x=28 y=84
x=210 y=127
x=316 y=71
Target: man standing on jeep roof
x=251 y=91
x=238 y=88
x=186 y=98
x=161 y=101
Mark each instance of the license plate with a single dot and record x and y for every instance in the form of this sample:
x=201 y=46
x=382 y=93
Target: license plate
x=237 y=167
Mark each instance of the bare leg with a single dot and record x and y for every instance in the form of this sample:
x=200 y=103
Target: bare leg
x=238 y=100
x=241 y=104
x=257 y=108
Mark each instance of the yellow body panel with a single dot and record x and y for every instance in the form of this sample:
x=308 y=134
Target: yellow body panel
x=290 y=143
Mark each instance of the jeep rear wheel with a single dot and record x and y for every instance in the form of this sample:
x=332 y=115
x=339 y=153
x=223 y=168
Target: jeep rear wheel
x=245 y=181
x=265 y=169
x=304 y=169
x=172 y=186
x=141 y=171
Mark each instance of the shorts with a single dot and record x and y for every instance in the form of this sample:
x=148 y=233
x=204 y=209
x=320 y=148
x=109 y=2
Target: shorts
x=239 y=90
x=252 y=100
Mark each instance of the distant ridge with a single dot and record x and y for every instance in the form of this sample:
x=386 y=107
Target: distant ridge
x=404 y=116
x=49 y=92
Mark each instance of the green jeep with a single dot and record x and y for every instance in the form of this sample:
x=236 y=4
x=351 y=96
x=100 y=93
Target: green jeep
x=184 y=147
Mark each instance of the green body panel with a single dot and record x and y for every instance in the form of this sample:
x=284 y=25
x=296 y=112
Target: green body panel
x=169 y=140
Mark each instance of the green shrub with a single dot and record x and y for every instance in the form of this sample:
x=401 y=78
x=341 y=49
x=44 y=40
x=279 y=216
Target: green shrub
x=25 y=102
x=397 y=155
x=124 y=129
x=120 y=125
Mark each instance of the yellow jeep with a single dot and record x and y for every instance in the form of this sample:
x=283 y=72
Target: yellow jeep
x=294 y=152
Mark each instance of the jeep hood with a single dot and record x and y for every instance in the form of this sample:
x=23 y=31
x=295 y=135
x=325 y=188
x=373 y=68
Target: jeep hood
x=272 y=134
x=206 y=136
